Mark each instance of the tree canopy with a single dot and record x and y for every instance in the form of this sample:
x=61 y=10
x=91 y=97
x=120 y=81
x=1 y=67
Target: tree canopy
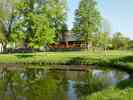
x=38 y=22
x=87 y=19
x=119 y=41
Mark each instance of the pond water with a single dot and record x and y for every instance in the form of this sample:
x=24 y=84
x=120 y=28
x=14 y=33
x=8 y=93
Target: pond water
x=44 y=84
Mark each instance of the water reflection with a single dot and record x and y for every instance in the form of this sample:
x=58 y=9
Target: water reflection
x=43 y=84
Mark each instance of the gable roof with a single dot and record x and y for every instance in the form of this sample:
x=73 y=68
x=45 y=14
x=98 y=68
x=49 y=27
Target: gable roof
x=69 y=36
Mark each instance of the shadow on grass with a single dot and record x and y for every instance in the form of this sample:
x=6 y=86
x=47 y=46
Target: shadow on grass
x=125 y=84
x=24 y=56
x=82 y=60
x=127 y=59
x=76 y=60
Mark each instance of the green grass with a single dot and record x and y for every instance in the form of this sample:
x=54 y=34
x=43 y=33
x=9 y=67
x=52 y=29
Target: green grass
x=118 y=59
x=122 y=91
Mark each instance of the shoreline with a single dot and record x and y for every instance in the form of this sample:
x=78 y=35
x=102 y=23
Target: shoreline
x=122 y=60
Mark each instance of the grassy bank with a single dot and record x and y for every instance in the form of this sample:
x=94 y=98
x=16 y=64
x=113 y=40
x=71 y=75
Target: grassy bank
x=118 y=59
x=122 y=91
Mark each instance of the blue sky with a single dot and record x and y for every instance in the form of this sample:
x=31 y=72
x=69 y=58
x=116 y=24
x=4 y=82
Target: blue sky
x=118 y=12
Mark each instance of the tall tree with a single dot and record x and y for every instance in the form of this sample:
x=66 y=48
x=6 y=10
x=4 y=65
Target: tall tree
x=87 y=20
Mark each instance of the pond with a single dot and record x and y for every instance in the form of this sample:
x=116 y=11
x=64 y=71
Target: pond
x=44 y=84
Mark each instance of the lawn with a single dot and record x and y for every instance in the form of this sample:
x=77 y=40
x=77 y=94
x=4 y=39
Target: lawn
x=118 y=59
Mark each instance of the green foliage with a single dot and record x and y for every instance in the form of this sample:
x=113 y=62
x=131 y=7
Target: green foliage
x=56 y=12
x=2 y=28
x=88 y=19
x=103 y=40
x=119 y=41
x=42 y=32
x=7 y=13
x=130 y=44
x=2 y=36
x=38 y=22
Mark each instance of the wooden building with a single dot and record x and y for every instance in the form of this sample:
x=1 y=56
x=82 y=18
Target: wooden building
x=68 y=40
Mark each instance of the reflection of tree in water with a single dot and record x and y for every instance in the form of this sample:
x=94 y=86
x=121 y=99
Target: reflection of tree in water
x=119 y=75
x=31 y=84
x=62 y=84
x=90 y=84
x=7 y=91
x=42 y=84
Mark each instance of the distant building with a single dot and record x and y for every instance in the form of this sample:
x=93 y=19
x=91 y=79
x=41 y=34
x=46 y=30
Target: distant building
x=68 y=40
